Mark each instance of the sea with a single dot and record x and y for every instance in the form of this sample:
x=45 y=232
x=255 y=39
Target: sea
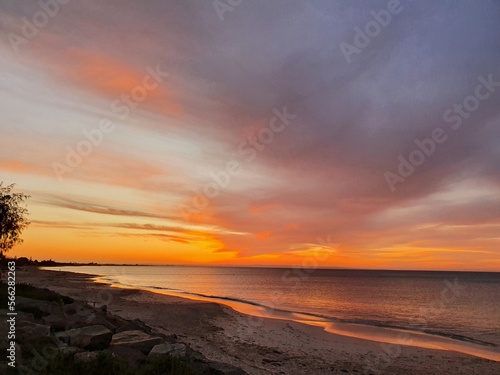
x=448 y=309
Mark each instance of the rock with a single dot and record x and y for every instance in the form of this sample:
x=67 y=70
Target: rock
x=226 y=369
x=21 y=315
x=136 y=339
x=62 y=322
x=19 y=352
x=174 y=350
x=62 y=345
x=199 y=364
x=101 y=320
x=196 y=355
x=86 y=356
x=69 y=349
x=116 y=320
x=76 y=315
x=132 y=356
x=91 y=337
x=69 y=309
x=134 y=325
x=81 y=309
x=104 y=308
x=31 y=305
x=57 y=342
x=27 y=329
x=199 y=367
x=56 y=322
x=25 y=316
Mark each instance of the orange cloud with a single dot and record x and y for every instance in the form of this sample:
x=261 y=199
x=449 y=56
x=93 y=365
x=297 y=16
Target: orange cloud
x=263 y=235
x=14 y=166
x=106 y=76
x=103 y=73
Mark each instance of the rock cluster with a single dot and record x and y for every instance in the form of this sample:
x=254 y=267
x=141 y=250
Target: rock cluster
x=87 y=331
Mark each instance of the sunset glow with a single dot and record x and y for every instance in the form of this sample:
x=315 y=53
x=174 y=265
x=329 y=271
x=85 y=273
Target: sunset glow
x=158 y=134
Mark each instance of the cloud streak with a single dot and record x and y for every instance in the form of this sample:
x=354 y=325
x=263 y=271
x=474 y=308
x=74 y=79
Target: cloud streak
x=325 y=174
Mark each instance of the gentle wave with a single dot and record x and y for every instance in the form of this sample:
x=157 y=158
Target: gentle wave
x=292 y=314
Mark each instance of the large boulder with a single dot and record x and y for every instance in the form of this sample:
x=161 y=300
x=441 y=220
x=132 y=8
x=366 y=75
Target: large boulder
x=27 y=329
x=134 y=325
x=35 y=305
x=4 y=327
x=174 y=350
x=60 y=322
x=25 y=316
x=69 y=349
x=77 y=307
x=136 y=339
x=91 y=337
x=116 y=320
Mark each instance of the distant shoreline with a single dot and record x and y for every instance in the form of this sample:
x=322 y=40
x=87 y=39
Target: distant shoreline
x=51 y=263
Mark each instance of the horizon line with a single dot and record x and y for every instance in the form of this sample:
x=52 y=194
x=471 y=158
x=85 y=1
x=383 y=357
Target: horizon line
x=264 y=266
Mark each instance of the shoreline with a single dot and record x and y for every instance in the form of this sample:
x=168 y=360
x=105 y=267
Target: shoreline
x=271 y=345
x=379 y=333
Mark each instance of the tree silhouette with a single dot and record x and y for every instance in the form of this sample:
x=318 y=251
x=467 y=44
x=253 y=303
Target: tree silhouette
x=12 y=217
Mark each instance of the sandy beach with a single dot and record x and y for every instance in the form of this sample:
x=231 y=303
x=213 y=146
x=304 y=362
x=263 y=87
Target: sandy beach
x=257 y=345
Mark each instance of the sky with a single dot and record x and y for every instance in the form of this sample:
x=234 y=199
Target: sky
x=357 y=134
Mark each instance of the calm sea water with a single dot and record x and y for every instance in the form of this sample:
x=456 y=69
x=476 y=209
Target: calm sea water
x=461 y=305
